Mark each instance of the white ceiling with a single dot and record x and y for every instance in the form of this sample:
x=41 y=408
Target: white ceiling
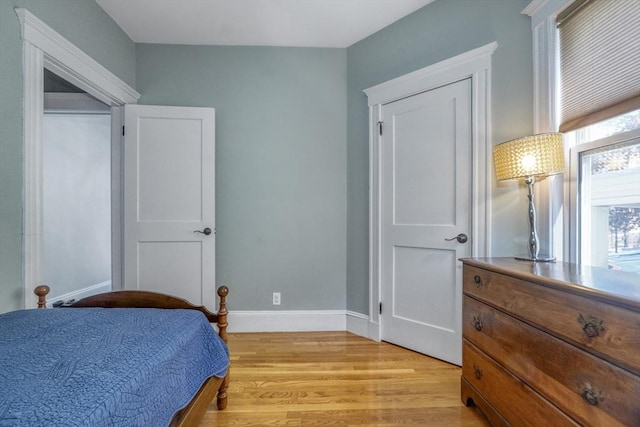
x=302 y=23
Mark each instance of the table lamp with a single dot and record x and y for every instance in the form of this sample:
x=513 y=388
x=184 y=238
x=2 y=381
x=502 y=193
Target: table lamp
x=530 y=158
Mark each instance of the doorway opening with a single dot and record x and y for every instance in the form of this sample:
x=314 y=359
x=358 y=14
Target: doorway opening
x=76 y=171
x=44 y=48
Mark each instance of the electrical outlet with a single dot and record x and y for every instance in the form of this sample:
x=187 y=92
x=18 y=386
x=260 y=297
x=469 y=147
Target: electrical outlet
x=276 y=298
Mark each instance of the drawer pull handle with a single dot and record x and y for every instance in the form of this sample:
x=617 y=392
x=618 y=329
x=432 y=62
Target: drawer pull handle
x=477 y=280
x=477 y=372
x=477 y=323
x=590 y=396
x=591 y=326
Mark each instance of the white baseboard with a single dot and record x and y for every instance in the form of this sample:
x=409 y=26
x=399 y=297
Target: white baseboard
x=374 y=331
x=99 y=288
x=303 y=321
x=358 y=323
x=287 y=321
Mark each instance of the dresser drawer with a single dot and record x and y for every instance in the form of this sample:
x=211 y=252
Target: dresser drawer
x=513 y=399
x=607 y=330
x=589 y=389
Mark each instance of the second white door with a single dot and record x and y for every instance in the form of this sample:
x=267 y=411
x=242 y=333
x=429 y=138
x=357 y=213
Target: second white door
x=426 y=204
x=169 y=196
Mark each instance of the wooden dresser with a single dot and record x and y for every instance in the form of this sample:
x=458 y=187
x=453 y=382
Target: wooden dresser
x=551 y=344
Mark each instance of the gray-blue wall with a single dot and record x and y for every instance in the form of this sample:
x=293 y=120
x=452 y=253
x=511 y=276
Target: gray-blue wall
x=86 y=25
x=280 y=164
x=292 y=143
x=436 y=32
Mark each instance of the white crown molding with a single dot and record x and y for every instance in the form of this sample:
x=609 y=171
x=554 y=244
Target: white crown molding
x=533 y=7
x=541 y=10
x=65 y=59
x=443 y=72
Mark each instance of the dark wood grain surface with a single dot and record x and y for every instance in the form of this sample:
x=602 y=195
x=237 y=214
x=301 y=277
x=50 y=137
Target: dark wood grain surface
x=551 y=343
x=618 y=287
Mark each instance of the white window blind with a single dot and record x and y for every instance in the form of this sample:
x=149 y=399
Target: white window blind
x=599 y=61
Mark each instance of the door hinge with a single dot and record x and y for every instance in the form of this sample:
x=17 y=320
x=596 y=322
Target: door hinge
x=380 y=128
x=380 y=309
x=122 y=130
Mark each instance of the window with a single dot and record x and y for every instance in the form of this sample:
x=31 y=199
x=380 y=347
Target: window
x=600 y=47
x=605 y=170
x=599 y=112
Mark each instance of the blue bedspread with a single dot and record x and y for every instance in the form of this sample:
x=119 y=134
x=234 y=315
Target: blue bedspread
x=103 y=367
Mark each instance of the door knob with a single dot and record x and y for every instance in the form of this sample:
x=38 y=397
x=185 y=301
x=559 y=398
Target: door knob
x=461 y=238
x=206 y=231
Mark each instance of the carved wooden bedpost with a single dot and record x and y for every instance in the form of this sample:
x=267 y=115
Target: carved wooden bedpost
x=223 y=291
x=42 y=292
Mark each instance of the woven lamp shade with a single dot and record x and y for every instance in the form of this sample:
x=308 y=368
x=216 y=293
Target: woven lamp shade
x=536 y=155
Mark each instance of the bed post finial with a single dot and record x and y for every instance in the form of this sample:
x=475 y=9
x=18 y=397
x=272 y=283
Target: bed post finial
x=223 y=291
x=42 y=292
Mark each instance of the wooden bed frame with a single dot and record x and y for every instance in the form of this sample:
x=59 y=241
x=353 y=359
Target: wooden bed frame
x=193 y=413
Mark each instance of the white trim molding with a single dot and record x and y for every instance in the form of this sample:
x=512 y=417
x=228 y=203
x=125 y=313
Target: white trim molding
x=549 y=193
x=303 y=321
x=443 y=72
x=475 y=65
x=358 y=323
x=33 y=112
x=98 y=288
x=44 y=48
x=287 y=320
x=543 y=15
x=73 y=103
x=541 y=10
x=67 y=61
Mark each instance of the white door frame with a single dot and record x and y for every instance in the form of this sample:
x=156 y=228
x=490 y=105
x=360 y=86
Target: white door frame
x=44 y=48
x=475 y=65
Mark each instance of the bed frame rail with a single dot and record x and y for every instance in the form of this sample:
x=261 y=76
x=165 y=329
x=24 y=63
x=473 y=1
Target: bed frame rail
x=140 y=299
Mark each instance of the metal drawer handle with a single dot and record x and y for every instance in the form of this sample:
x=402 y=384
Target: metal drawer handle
x=477 y=323
x=477 y=372
x=591 y=326
x=477 y=280
x=590 y=396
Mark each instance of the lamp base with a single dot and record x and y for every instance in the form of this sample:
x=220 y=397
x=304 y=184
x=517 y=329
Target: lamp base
x=537 y=259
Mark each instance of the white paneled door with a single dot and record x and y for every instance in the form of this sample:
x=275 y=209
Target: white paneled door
x=169 y=196
x=426 y=216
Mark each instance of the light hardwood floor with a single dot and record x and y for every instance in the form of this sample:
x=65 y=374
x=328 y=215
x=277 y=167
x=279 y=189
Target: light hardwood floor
x=337 y=379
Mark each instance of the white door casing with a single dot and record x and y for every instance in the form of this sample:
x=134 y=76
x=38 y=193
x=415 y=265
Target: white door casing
x=476 y=66
x=426 y=197
x=43 y=47
x=169 y=200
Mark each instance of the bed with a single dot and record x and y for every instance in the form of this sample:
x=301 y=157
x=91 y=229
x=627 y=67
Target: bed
x=149 y=360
